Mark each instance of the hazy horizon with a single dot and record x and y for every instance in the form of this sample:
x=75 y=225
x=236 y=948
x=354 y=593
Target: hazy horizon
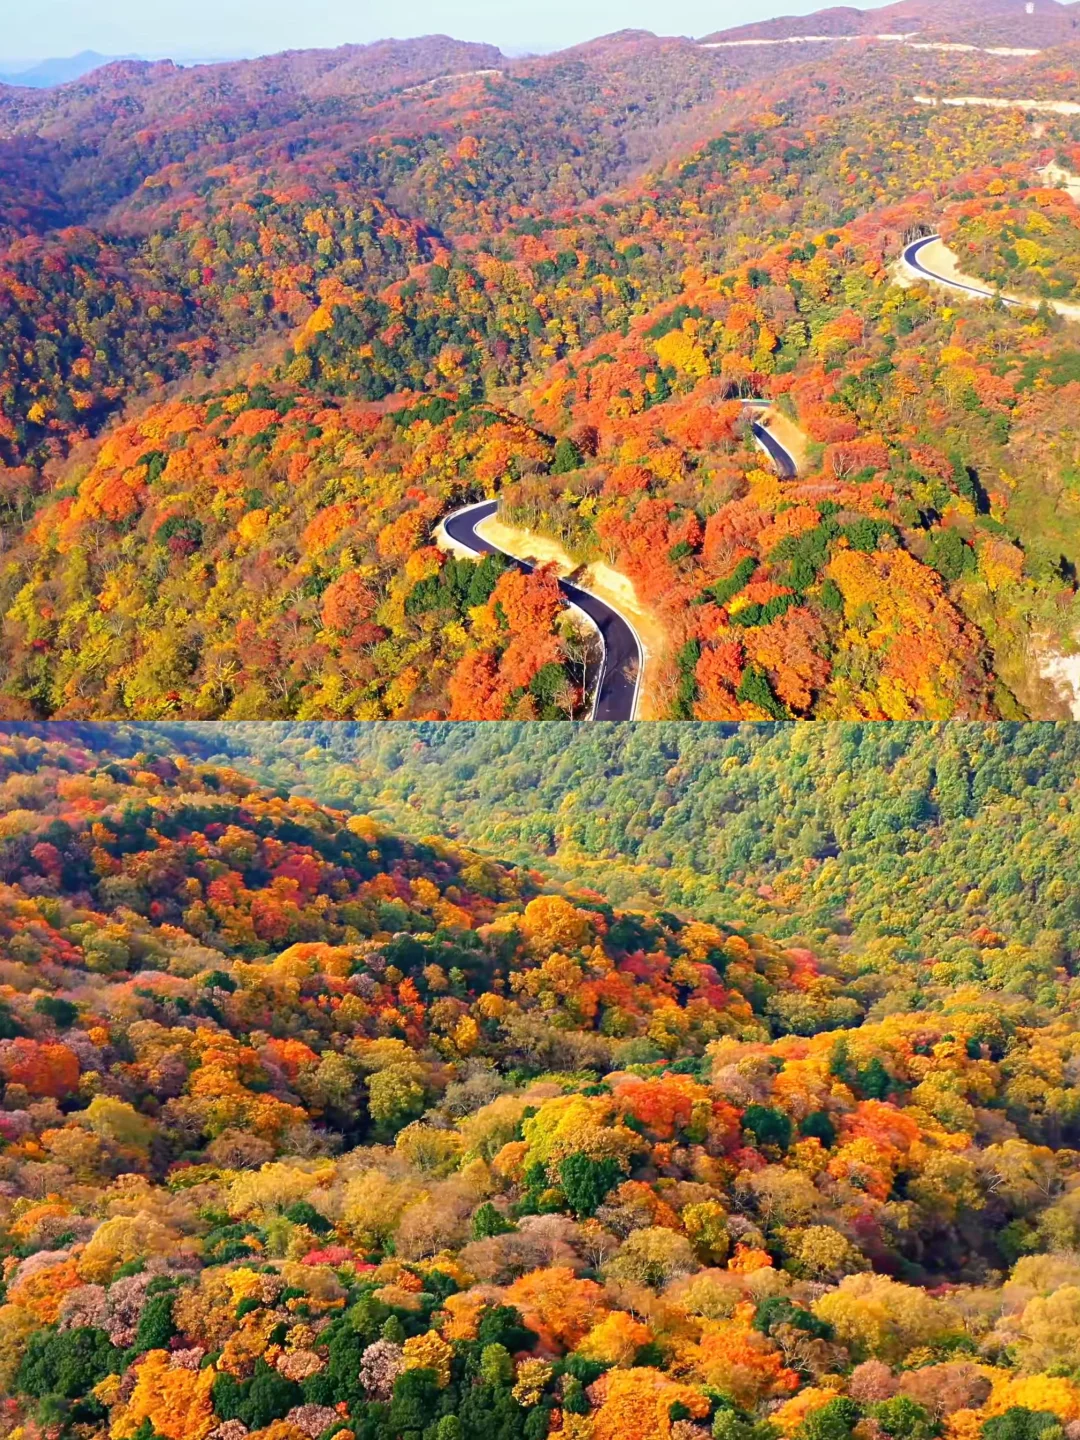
x=237 y=29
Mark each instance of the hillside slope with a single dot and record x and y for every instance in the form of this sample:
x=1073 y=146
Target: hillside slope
x=307 y=1130
x=262 y=324
x=842 y=836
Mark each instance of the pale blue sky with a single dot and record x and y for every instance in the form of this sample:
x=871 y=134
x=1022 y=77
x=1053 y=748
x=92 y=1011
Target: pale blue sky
x=35 y=29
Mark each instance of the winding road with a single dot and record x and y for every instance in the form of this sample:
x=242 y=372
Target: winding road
x=616 y=693
x=785 y=464
x=619 y=687
x=911 y=259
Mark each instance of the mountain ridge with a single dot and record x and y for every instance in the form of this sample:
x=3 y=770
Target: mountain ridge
x=1036 y=23
x=58 y=70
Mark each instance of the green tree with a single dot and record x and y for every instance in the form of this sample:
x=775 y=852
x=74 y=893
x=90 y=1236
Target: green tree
x=903 y=1419
x=768 y=1126
x=156 y=1326
x=1020 y=1423
x=585 y=1182
x=567 y=457
x=487 y=1222
x=754 y=689
x=61 y=1012
x=68 y=1363
x=834 y=1421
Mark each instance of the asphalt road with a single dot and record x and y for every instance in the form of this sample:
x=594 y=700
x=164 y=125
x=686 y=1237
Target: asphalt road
x=617 y=692
x=912 y=261
x=785 y=465
x=620 y=681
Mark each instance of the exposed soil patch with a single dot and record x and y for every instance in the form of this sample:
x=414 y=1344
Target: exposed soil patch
x=615 y=589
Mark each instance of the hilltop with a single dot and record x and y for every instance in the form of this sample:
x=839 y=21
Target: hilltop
x=45 y=73
x=1023 y=23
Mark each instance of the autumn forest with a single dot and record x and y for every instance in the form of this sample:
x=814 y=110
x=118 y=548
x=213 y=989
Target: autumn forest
x=317 y=1127
x=264 y=325
x=539 y=746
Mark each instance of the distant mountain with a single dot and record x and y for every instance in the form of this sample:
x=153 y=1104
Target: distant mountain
x=1030 y=23
x=47 y=73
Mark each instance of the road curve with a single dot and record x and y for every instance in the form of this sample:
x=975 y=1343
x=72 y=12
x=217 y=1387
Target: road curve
x=911 y=259
x=620 y=678
x=911 y=256
x=781 y=458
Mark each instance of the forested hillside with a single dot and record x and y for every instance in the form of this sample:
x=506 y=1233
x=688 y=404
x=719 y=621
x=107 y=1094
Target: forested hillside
x=1018 y=23
x=955 y=846
x=311 y=1130
x=262 y=325
x=951 y=846
x=1016 y=244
